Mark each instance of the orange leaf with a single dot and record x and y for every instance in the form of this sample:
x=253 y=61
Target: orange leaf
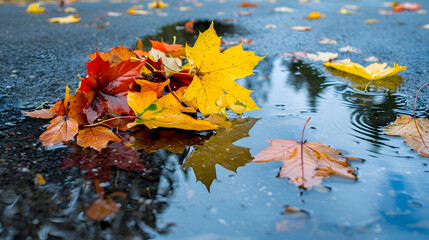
x=100 y=209
x=248 y=4
x=153 y=86
x=165 y=47
x=61 y=129
x=306 y=164
x=42 y=113
x=96 y=137
x=416 y=138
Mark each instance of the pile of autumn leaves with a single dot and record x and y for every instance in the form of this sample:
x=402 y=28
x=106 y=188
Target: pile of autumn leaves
x=170 y=86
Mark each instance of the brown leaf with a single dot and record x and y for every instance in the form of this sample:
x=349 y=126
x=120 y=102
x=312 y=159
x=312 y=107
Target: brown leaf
x=101 y=208
x=42 y=113
x=96 y=137
x=416 y=138
x=61 y=129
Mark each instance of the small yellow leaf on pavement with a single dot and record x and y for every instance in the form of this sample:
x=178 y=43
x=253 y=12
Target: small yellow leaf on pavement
x=157 y=4
x=315 y=15
x=371 y=21
x=35 y=8
x=65 y=20
x=39 y=180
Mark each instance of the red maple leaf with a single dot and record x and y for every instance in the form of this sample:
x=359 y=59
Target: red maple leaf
x=107 y=87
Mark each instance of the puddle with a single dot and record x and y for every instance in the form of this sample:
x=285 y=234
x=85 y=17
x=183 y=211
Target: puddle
x=245 y=200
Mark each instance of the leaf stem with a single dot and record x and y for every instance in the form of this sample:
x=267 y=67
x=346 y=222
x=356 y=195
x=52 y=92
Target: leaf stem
x=110 y=119
x=415 y=119
x=302 y=136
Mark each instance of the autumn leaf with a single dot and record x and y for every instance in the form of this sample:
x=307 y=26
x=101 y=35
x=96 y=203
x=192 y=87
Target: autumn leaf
x=42 y=113
x=106 y=87
x=65 y=20
x=220 y=149
x=372 y=72
x=248 y=4
x=39 y=179
x=306 y=163
x=322 y=56
x=417 y=138
x=117 y=55
x=96 y=137
x=315 y=15
x=60 y=129
x=35 y=8
x=157 y=87
x=165 y=112
x=301 y=28
x=165 y=47
x=101 y=208
x=98 y=164
x=157 y=4
x=213 y=85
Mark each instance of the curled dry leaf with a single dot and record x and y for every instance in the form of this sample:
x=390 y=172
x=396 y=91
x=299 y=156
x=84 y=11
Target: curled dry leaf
x=284 y=9
x=414 y=131
x=35 y=8
x=328 y=41
x=213 y=85
x=322 y=56
x=301 y=28
x=374 y=71
x=42 y=113
x=347 y=11
x=65 y=20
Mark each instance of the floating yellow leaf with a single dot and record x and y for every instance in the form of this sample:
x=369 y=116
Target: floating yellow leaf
x=35 y=8
x=374 y=71
x=65 y=20
x=315 y=15
x=157 y=4
x=165 y=112
x=69 y=10
x=213 y=85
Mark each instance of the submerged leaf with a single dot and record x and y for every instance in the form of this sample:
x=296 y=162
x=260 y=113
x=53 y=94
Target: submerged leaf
x=213 y=85
x=220 y=149
x=102 y=208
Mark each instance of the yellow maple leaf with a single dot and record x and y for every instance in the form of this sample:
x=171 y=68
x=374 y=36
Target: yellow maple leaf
x=35 y=8
x=374 y=71
x=213 y=85
x=166 y=112
x=64 y=20
x=157 y=4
